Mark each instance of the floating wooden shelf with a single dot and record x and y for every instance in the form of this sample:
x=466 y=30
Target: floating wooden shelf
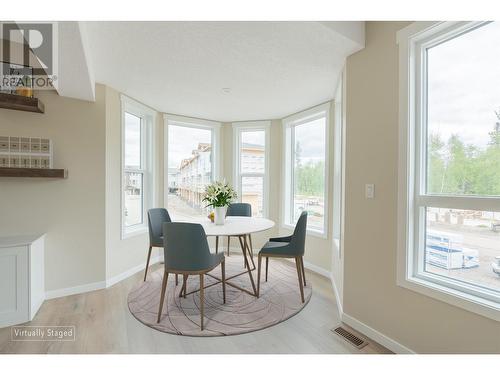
x=33 y=172
x=21 y=103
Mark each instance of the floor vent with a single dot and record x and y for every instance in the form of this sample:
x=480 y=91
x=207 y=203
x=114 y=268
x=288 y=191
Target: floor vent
x=350 y=337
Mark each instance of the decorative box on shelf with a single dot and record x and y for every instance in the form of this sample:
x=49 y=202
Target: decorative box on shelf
x=25 y=152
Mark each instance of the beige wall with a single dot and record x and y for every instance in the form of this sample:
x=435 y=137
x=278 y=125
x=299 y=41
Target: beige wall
x=70 y=211
x=371 y=295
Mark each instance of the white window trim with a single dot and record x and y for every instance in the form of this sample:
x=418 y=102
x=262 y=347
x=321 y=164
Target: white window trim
x=190 y=122
x=238 y=129
x=338 y=178
x=148 y=117
x=287 y=171
x=409 y=185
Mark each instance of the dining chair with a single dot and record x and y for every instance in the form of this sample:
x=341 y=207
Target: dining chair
x=238 y=209
x=156 y=218
x=287 y=247
x=187 y=252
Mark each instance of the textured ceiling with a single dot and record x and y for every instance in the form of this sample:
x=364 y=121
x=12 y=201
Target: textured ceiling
x=272 y=69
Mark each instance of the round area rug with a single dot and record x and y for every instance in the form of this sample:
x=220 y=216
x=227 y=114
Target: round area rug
x=279 y=300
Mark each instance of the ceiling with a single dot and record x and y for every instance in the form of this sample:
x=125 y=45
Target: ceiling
x=223 y=71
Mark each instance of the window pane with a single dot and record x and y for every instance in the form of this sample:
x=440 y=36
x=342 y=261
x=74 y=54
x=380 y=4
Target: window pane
x=189 y=170
x=464 y=114
x=132 y=141
x=252 y=191
x=252 y=151
x=309 y=172
x=133 y=198
x=464 y=245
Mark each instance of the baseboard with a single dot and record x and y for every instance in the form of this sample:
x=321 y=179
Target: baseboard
x=337 y=296
x=319 y=270
x=122 y=276
x=50 y=294
x=375 y=335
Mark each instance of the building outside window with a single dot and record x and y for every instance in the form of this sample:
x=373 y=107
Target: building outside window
x=192 y=164
x=251 y=145
x=306 y=146
x=136 y=165
x=453 y=162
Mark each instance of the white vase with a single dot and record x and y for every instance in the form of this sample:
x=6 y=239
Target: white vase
x=220 y=215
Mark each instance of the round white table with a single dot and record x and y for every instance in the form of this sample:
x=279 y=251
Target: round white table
x=237 y=226
x=241 y=227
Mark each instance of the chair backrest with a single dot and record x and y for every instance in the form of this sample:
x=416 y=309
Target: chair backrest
x=156 y=218
x=186 y=247
x=239 y=209
x=298 y=243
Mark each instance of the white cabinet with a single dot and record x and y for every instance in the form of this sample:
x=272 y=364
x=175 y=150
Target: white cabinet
x=22 y=279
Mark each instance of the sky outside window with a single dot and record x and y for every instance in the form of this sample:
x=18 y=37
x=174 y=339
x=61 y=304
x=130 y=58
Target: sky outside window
x=463 y=96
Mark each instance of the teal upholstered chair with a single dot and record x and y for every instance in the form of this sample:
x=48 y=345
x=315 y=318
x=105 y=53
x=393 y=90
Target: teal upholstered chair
x=287 y=247
x=239 y=209
x=187 y=252
x=156 y=218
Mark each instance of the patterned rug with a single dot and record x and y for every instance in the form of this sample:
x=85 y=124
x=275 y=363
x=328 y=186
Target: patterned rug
x=242 y=313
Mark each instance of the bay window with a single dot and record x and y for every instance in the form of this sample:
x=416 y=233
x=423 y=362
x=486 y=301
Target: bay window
x=137 y=175
x=251 y=166
x=306 y=168
x=192 y=160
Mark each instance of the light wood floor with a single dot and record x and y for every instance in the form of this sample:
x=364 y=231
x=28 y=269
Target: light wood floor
x=105 y=325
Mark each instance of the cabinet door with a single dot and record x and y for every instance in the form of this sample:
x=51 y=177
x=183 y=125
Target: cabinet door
x=13 y=285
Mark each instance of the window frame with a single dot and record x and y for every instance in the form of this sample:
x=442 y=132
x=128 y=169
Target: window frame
x=290 y=122
x=147 y=116
x=238 y=129
x=412 y=196
x=190 y=122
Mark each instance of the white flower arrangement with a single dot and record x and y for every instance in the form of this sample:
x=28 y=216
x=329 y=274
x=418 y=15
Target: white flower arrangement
x=219 y=194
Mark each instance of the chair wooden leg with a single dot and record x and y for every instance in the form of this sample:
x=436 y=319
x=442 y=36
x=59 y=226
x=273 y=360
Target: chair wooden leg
x=176 y=279
x=303 y=270
x=223 y=266
x=202 y=292
x=228 y=241
x=216 y=244
x=299 y=272
x=185 y=284
x=182 y=293
x=267 y=266
x=147 y=262
x=162 y=295
x=259 y=264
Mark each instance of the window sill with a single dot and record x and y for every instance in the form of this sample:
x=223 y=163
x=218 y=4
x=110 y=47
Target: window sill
x=134 y=231
x=453 y=297
x=312 y=232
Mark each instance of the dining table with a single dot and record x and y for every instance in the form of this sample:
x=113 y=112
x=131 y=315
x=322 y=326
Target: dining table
x=240 y=227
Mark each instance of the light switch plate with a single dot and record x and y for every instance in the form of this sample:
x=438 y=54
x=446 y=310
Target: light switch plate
x=369 y=191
